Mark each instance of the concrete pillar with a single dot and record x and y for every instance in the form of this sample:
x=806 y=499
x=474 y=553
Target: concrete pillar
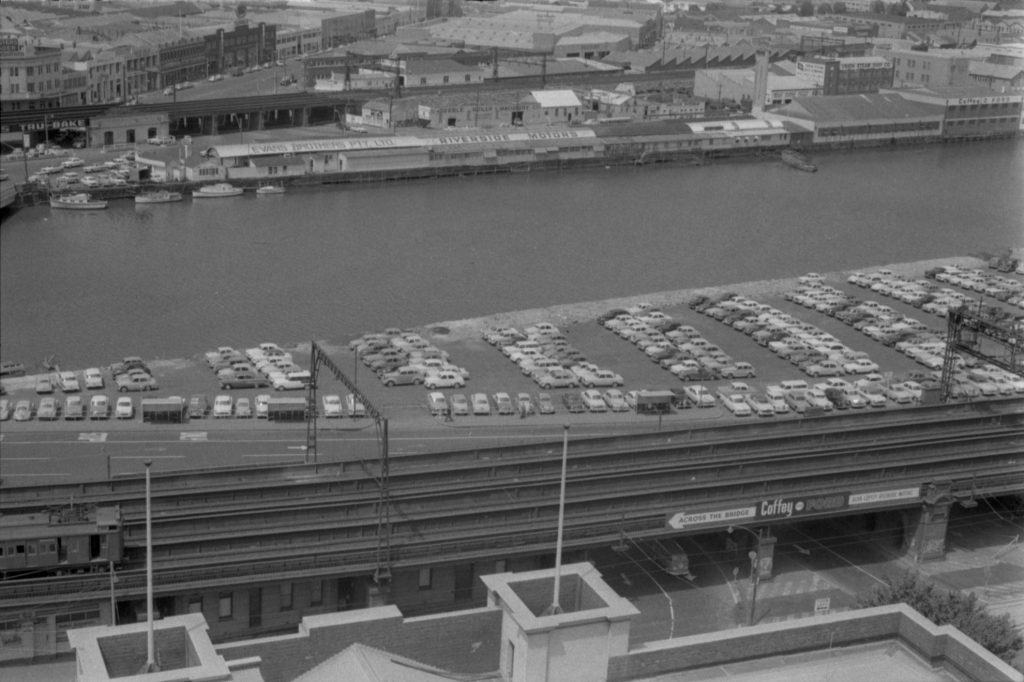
x=213 y=124
x=925 y=528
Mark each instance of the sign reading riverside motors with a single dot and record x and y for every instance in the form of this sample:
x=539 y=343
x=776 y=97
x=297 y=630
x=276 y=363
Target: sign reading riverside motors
x=789 y=507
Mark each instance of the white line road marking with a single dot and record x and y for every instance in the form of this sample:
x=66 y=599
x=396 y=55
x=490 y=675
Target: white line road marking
x=26 y=459
x=93 y=437
x=34 y=475
x=193 y=436
x=283 y=454
x=147 y=457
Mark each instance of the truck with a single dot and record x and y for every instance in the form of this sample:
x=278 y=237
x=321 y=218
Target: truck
x=171 y=410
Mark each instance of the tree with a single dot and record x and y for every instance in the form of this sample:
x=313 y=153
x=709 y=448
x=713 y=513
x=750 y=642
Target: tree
x=806 y=9
x=998 y=634
x=825 y=8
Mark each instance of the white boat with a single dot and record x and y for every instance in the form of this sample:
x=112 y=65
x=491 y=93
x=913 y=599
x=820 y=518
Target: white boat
x=158 y=197
x=81 y=202
x=270 y=189
x=220 y=189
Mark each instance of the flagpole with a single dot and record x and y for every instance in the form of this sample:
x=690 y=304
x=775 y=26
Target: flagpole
x=555 y=605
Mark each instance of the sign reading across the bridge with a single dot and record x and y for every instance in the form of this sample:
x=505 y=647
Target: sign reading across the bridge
x=885 y=496
x=786 y=507
x=685 y=520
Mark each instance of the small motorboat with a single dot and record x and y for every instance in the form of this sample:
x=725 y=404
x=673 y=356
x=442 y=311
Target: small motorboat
x=159 y=197
x=216 y=190
x=270 y=189
x=81 y=202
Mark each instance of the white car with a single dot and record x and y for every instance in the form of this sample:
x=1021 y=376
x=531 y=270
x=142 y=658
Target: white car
x=816 y=397
x=282 y=382
x=460 y=406
x=223 y=406
x=594 y=401
x=699 y=395
x=615 y=400
x=262 y=402
x=355 y=406
x=124 y=409
x=68 y=382
x=735 y=403
x=481 y=403
x=444 y=379
x=332 y=406
x=899 y=394
x=760 y=405
x=860 y=366
x=602 y=377
x=437 y=403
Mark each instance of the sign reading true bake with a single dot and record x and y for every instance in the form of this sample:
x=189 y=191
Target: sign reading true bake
x=784 y=508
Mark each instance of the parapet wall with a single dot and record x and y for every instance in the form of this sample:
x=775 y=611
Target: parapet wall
x=943 y=646
x=464 y=642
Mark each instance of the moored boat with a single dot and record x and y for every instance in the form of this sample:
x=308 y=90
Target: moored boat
x=219 y=189
x=159 y=197
x=79 y=202
x=798 y=160
x=270 y=189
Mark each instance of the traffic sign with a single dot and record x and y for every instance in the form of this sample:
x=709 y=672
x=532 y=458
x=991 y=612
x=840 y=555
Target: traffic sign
x=822 y=606
x=682 y=520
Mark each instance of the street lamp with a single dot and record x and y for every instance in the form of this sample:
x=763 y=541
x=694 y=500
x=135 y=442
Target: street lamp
x=755 y=569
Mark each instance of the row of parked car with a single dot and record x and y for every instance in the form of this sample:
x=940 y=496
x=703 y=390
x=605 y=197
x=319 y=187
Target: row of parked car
x=679 y=349
x=999 y=287
x=73 y=407
x=971 y=377
x=263 y=366
x=131 y=374
x=543 y=353
x=401 y=358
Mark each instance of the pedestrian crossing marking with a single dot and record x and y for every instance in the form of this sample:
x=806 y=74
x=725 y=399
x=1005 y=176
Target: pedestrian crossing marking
x=93 y=437
x=193 y=435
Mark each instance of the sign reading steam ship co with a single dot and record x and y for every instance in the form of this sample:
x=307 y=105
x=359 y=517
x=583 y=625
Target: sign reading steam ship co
x=787 y=507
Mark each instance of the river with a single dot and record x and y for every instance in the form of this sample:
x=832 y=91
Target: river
x=174 y=280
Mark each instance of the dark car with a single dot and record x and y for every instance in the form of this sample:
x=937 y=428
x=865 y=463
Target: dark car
x=128 y=364
x=247 y=380
x=573 y=402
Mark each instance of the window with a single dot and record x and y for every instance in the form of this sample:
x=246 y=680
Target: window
x=446 y=80
x=195 y=604
x=286 y=596
x=316 y=592
x=425 y=578
x=500 y=566
x=467 y=77
x=225 y=606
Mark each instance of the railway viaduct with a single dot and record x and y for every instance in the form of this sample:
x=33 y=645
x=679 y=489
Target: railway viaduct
x=256 y=549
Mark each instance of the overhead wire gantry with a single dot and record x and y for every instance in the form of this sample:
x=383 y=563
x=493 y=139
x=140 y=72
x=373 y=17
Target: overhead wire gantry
x=318 y=359
x=981 y=333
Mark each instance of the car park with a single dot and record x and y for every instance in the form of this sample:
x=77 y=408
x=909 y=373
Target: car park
x=437 y=404
x=459 y=404
x=99 y=407
x=355 y=406
x=332 y=406
x=68 y=382
x=243 y=408
x=47 y=410
x=23 y=411
x=93 y=378
x=124 y=408
x=481 y=404
x=223 y=406
x=545 y=405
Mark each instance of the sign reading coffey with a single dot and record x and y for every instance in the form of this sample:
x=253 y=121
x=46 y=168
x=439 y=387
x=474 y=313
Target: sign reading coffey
x=787 y=507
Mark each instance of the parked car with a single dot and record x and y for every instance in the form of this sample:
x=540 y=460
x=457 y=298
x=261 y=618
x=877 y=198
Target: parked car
x=44 y=385
x=124 y=408
x=503 y=403
x=738 y=370
x=99 y=407
x=444 y=379
x=460 y=405
x=545 y=405
x=23 y=410
x=699 y=395
x=573 y=402
x=332 y=406
x=223 y=406
x=262 y=402
x=760 y=405
x=437 y=404
x=558 y=378
x=735 y=403
x=593 y=400
x=524 y=404
x=68 y=382
x=403 y=376
x=93 y=378
x=136 y=381
x=198 y=406
x=281 y=382
x=47 y=410
x=481 y=403
x=615 y=400
x=602 y=377
x=5 y=409
x=74 y=408
x=243 y=408
x=355 y=406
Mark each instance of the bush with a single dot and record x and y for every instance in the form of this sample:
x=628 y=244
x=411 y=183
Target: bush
x=998 y=634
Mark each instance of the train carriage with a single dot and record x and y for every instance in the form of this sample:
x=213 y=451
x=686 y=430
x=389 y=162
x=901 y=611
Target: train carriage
x=69 y=540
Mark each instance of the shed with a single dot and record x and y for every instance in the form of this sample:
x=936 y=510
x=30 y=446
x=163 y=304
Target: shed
x=163 y=410
x=654 y=402
x=286 y=409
